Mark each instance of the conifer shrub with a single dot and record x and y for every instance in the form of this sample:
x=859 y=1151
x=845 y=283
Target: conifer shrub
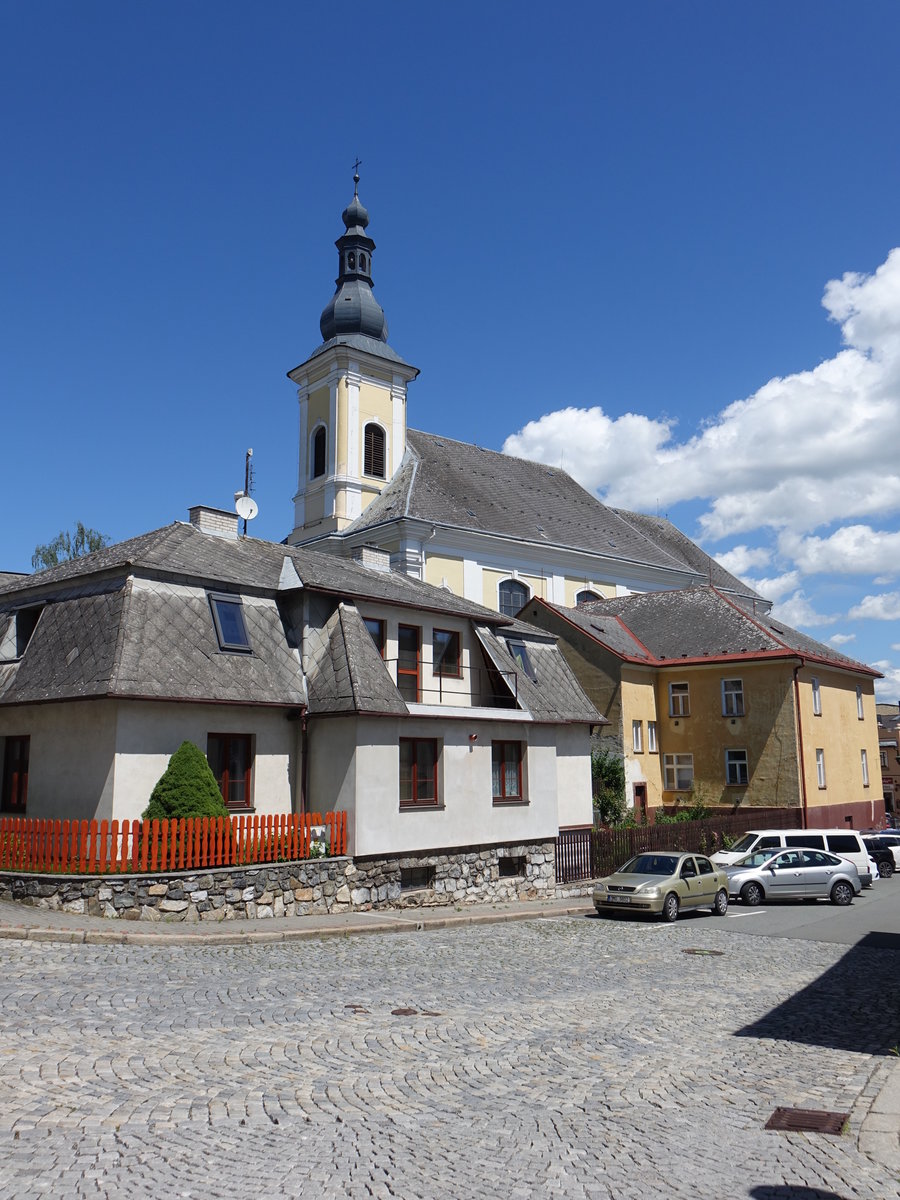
x=187 y=788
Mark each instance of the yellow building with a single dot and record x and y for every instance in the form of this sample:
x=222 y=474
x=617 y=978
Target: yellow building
x=709 y=702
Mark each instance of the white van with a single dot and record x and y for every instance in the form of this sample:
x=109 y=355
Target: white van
x=845 y=842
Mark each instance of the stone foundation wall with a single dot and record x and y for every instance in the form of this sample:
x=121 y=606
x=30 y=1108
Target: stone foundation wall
x=469 y=876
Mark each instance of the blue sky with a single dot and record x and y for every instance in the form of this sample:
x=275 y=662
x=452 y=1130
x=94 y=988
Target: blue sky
x=651 y=242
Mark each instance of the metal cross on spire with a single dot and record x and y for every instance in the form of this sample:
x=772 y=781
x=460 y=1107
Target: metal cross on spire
x=356 y=167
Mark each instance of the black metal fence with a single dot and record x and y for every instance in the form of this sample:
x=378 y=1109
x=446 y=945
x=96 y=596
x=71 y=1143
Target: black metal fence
x=591 y=853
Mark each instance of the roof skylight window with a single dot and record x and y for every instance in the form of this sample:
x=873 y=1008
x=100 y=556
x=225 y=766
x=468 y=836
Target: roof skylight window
x=520 y=653
x=228 y=617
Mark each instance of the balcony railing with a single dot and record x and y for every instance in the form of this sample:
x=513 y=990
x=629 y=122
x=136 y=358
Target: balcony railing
x=472 y=687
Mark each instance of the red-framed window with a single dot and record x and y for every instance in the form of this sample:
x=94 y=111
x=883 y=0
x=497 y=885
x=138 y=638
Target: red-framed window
x=445 y=656
x=14 y=794
x=409 y=658
x=230 y=756
x=418 y=772
x=506 y=761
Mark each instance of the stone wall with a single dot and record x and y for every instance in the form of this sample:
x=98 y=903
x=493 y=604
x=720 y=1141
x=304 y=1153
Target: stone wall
x=469 y=876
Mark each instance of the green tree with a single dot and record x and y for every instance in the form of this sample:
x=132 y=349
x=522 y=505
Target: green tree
x=608 y=785
x=66 y=545
x=187 y=788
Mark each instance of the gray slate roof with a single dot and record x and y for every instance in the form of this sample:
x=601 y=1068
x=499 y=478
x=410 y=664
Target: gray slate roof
x=453 y=483
x=662 y=628
x=346 y=674
x=356 y=341
x=152 y=643
x=179 y=551
x=554 y=695
x=679 y=546
x=134 y=620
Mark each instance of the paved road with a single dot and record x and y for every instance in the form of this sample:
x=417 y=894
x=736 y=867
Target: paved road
x=872 y=919
x=573 y=1057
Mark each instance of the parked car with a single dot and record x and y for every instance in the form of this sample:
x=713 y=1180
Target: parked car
x=662 y=884
x=882 y=854
x=891 y=838
x=793 y=874
x=844 y=842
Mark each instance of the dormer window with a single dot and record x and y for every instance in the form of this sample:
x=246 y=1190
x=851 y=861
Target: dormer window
x=228 y=617
x=19 y=631
x=373 y=458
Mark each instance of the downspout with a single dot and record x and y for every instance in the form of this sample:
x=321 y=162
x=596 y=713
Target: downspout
x=803 y=798
x=304 y=766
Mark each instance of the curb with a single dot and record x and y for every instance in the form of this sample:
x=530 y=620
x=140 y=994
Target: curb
x=357 y=924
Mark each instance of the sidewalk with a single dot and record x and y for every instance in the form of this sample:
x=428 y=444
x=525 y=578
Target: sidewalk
x=22 y=921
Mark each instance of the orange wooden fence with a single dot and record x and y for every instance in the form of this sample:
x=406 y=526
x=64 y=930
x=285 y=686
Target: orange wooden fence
x=114 y=848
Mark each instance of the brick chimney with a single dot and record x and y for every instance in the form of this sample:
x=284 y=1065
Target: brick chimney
x=218 y=521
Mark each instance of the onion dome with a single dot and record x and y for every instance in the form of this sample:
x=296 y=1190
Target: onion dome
x=353 y=308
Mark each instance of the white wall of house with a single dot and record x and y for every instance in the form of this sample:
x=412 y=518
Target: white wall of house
x=149 y=733
x=70 y=768
x=354 y=764
x=573 y=768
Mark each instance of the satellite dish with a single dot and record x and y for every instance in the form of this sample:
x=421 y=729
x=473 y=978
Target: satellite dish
x=246 y=507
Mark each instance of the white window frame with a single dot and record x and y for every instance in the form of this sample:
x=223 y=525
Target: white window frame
x=816 y=697
x=652 y=743
x=820 y=768
x=683 y=696
x=637 y=737
x=678 y=771
x=732 y=697
x=864 y=763
x=739 y=767
x=516 y=583
x=860 y=712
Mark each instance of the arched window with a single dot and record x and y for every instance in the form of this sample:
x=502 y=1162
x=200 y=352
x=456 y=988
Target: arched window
x=318 y=452
x=512 y=596
x=373 y=463
x=586 y=597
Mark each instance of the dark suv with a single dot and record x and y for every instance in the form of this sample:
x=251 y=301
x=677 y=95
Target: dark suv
x=883 y=855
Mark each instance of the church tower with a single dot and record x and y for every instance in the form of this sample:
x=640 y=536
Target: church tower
x=352 y=394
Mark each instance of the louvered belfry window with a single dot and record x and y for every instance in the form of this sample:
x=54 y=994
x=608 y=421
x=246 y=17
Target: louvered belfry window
x=374 y=451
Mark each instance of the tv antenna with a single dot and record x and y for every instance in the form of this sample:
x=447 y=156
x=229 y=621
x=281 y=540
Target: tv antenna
x=245 y=506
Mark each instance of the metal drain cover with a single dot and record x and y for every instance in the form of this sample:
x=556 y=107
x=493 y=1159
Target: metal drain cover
x=708 y=953
x=807 y=1120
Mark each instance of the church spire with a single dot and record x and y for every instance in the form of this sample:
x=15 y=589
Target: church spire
x=353 y=308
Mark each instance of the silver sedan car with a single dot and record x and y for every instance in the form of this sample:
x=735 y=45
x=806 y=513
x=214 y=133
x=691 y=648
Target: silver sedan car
x=796 y=874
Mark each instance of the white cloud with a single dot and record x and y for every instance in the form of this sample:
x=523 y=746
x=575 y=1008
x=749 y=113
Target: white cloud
x=740 y=559
x=797 y=612
x=883 y=607
x=852 y=550
x=887 y=690
x=841 y=639
x=803 y=451
x=774 y=588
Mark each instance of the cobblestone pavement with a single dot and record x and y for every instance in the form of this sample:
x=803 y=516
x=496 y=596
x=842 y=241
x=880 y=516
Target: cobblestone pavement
x=558 y=1058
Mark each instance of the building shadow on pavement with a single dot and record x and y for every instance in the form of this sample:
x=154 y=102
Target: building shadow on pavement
x=787 y=1191
x=854 y=1005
